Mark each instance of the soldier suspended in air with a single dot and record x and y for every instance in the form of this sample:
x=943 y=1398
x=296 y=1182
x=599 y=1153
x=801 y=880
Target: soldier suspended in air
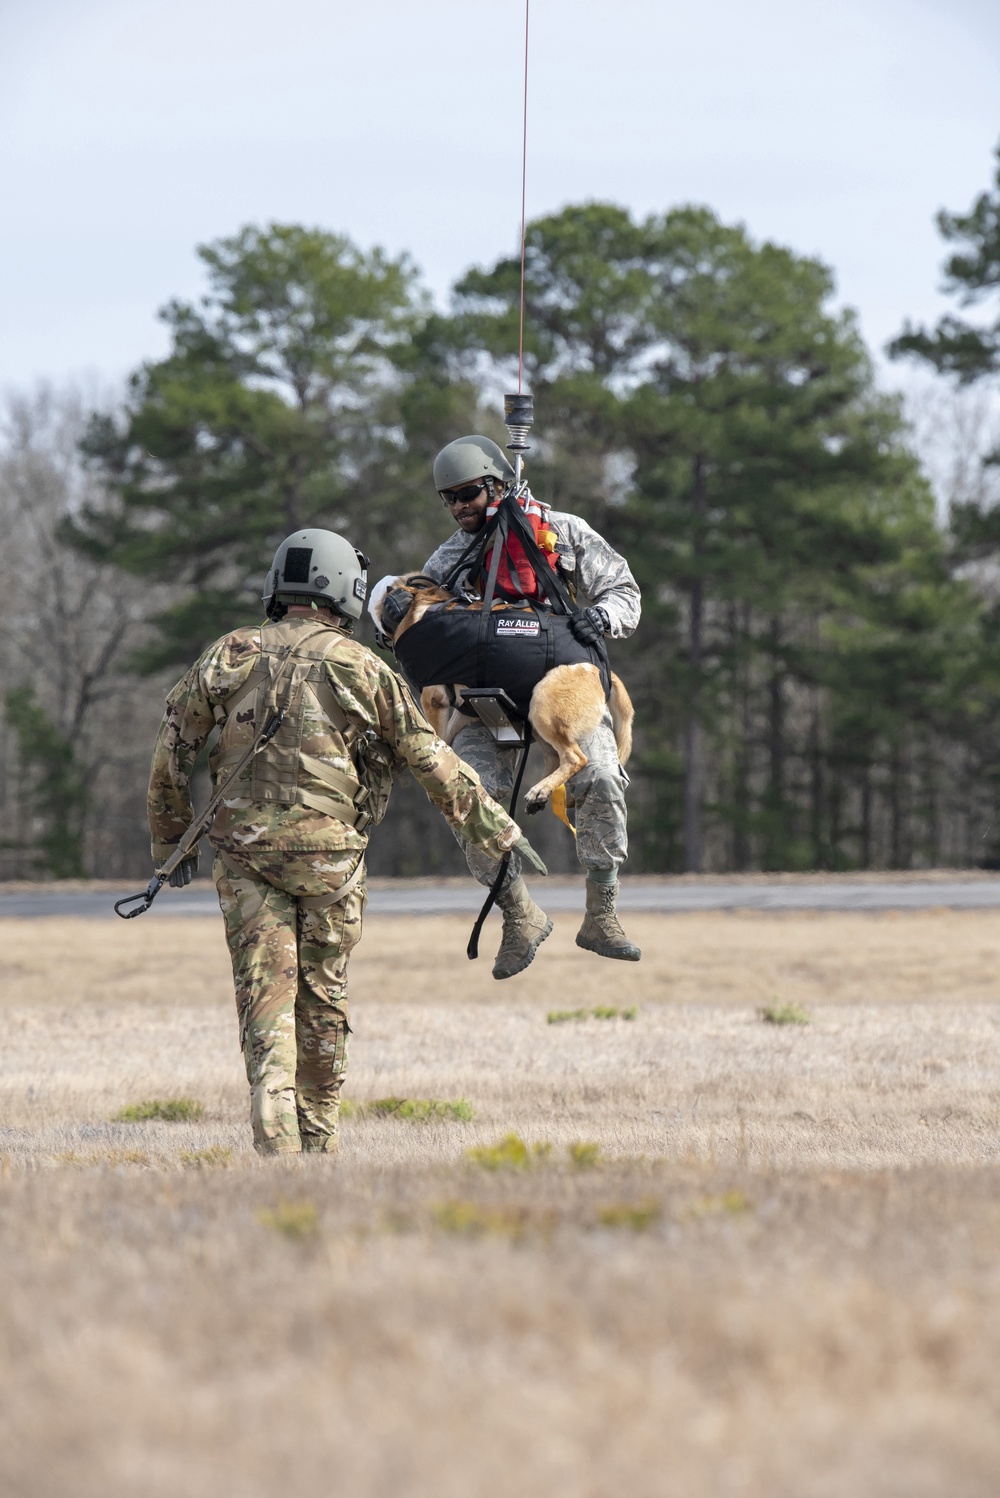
x=470 y=475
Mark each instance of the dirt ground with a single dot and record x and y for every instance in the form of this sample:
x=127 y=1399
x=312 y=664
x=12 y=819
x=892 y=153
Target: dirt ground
x=735 y=1258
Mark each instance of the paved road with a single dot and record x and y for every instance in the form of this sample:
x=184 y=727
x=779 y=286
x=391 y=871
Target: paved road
x=637 y=894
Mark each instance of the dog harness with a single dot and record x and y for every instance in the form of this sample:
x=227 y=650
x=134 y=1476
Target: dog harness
x=521 y=645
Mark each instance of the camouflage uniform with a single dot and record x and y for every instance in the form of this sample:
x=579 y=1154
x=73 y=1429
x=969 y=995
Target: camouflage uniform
x=278 y=864
x=595 y=574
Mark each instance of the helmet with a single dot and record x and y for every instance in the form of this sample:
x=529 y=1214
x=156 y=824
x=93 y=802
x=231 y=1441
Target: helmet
x=321 y=566
x=468 y=459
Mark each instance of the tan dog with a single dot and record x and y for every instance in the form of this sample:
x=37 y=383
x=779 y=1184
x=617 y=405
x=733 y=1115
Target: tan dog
x=566 y=705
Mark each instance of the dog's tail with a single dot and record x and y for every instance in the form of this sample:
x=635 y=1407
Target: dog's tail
x=622 y=713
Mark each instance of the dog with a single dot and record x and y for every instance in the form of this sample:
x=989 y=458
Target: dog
x=566 y=705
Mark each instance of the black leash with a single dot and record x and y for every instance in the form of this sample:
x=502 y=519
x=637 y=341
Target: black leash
x=472 y=950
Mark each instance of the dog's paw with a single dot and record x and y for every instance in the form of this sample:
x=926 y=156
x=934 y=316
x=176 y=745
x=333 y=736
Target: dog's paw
x=534 y=803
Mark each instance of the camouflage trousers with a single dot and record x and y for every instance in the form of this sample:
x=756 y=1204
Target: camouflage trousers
x=290 y=966
x=598 y=790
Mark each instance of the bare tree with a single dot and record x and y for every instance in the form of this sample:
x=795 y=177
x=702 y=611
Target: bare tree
x=77 y=723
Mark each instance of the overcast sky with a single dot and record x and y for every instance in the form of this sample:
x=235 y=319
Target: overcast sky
x=131 y=130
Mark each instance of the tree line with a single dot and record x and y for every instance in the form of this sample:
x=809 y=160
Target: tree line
x=815 y=675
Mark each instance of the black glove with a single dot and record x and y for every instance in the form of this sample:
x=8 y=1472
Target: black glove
x=589 y=625
x=184 y=872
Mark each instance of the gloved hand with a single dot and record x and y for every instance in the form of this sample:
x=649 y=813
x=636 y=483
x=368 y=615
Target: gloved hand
x=589 y=625
x=185 y=871
x=529 y=855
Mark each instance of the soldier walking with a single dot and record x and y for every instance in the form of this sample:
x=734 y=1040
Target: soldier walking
x=290 y=840
x=470 y=475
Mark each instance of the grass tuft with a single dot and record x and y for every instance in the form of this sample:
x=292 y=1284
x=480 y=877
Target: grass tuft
x=509 y=1153
x=635 y=1217
x=215 y=1154
x=170 y=1110
x=417 y=1109
x=471 y=1220
x=298 y=1220
x=584 y=1155
x=783 y=1014
x=111 y=1156
x=730 y=1203
x=602 y=1011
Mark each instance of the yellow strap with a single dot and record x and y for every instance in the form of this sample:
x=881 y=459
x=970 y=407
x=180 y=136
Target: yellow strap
x=558 y=803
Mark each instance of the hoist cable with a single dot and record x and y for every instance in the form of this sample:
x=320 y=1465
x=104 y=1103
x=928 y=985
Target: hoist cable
x=524 y=177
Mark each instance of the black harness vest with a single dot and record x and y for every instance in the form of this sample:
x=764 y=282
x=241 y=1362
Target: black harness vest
x=445 y=647
x=509 y=648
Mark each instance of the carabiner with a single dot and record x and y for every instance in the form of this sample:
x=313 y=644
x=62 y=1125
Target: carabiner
x=147 y=897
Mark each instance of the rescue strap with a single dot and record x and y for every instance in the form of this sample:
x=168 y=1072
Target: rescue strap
x=507 y=517
x=472 y=950
x=263 y=736
x=510 y=517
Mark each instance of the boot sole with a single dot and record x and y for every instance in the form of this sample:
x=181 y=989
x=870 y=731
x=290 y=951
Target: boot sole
x=530 y=957
x=631 y=954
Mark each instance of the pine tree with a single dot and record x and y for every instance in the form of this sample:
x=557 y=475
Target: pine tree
x=288 y=399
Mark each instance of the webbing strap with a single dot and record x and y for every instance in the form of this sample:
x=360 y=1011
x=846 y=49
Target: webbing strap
x=484 y=615
x=472 y=950
x=335 y=896
x=509 y=516
x=330 y=775
x=342 y=810
x=327 y=699
x=253 y=681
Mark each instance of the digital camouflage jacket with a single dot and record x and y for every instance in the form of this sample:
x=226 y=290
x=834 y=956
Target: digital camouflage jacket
x=368 y=694
x=593 y=570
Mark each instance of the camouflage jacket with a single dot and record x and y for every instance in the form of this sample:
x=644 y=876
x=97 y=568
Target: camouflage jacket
x=370 y=695
x=593 y=570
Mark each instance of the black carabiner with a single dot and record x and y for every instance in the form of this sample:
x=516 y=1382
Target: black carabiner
x=147 y=897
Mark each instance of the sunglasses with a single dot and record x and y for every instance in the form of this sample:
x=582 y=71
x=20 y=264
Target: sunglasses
x=462 y=496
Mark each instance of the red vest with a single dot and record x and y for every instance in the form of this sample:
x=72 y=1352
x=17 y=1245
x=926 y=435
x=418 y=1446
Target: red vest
x=516 y=574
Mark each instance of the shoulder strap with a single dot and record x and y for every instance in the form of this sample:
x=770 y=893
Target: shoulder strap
x=549 y=580
x=472 y=556
x=510 y=517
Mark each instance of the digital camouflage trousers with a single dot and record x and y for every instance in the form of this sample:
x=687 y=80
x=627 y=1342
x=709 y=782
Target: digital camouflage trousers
x=598 y=791
x=290 y=954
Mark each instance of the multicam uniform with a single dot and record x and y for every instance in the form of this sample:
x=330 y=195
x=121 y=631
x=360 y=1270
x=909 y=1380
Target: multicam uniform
x=289 y=848
x=595 y=574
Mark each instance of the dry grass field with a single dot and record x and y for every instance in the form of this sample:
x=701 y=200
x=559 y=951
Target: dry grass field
x=735 y=1258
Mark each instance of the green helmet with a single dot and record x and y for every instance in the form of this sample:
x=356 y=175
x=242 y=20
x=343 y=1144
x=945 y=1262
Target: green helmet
x=317 y=566
x=468 y=459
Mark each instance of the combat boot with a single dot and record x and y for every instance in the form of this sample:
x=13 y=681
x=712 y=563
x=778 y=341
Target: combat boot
x=601 y=931
x=525 y=927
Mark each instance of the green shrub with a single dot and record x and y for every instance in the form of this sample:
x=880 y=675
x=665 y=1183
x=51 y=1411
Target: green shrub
x=584 y=1155
x=783 y=1014
x=216 y=1154
x=291 y=1219
x=418 y=1109
x=730 y=1203
x=472 y=1220
x=636 y=1217
x=170 y=1110
x=509 y=1153
x=602 y=1011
